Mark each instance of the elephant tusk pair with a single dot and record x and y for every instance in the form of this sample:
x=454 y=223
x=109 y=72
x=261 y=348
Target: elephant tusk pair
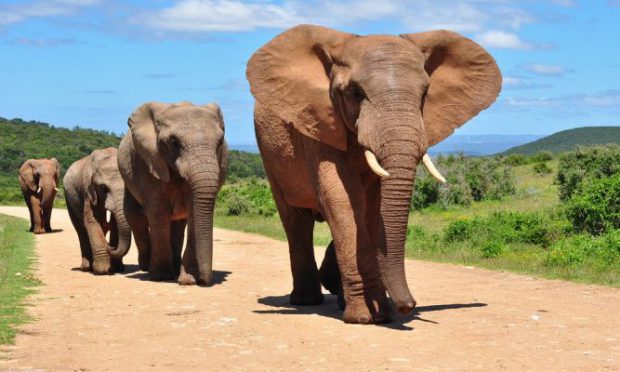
x=371 y=159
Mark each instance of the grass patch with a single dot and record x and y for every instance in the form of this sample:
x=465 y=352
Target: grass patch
x=17 y=259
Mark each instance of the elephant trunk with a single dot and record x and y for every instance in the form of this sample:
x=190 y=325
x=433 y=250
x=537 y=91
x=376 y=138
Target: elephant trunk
x=399 y=151
x=122 y=231
x=203 y=180
x=48 y=192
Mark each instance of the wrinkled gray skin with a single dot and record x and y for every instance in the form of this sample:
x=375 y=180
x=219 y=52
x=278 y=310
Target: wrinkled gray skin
x=173 y=162
x=93 y=185
x=38 y=179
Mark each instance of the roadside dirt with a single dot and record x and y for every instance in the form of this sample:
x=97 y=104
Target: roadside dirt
x=467 y=318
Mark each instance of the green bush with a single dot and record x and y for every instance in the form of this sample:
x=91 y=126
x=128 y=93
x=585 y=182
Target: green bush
x=492 y=249
x=469 y=179
x=541 y=157
x=251 y=196
x=541 y=169
x=603 y=251
x=507 y=227
x=585 y=164
x=595 y=206
x=515 y=159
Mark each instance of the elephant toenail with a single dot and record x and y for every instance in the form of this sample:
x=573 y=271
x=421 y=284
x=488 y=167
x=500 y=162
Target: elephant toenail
x=364 y=319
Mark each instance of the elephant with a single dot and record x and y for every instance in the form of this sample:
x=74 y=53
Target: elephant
x=94 y=187
x=173 y=161
x=38 y=179
x=342 y=121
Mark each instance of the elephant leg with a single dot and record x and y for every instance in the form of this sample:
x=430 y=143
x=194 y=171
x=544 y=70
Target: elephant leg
x=29 y=204
x=161 y=263
x=330 y=274
x=298 y=224
x=343 y=202
x=177 y=236
x=87 y=257
x=140 y=228
x=96 y=235
x=37 y=214
x=47 y=217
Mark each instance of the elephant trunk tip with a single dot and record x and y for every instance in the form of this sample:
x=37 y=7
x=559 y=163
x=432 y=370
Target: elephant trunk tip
x=405 y=307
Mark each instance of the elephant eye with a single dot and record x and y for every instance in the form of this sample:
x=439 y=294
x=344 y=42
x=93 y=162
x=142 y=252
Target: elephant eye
x=355 y=92
x=104 y=188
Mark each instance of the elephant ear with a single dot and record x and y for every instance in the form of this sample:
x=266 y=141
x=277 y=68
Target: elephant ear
x=218 y=111
x=142 y=125
x=464 y=80
x=57 y=165
x=288 y=76
x=26 y=174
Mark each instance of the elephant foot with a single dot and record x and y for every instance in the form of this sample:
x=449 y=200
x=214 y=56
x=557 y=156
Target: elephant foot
x=39 y=230
x=48 y=229
x=85 y=265
x=306 y=298
x=143 y=261
x=358 y=312
x=118 y=266
x=101 y=268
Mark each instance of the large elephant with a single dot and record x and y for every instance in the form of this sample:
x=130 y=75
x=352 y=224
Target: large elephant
x=94 y=187
x=342 y=121
x=38 y=179
x=173 y=161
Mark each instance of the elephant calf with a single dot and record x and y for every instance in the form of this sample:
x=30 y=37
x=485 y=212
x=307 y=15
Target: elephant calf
x=173 y=162
x=38 y=179
x=93 y=185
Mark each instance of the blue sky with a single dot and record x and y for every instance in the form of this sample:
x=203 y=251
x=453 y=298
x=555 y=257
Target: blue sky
x=92 y=62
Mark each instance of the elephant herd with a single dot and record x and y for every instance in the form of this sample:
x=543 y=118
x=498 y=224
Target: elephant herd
x=341 y=120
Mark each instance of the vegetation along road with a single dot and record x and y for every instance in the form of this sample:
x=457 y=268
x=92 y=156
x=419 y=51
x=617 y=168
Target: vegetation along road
x=466 y=318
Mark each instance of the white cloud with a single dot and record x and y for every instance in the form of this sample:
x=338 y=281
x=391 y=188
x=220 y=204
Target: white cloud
x=197 y=16
x=503 y=40
x=574 y=104
x=511 y=81
x=15 y=13
x=566 y=3
x=542 y=69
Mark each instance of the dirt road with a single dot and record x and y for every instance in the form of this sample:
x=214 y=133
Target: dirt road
x=467 y=318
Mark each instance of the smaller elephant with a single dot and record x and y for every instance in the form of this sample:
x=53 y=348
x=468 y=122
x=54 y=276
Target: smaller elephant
x=38 y=179
x=93 y=186
x=173 y=160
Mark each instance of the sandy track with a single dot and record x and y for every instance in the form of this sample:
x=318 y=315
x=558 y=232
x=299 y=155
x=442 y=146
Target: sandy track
x=467 y=318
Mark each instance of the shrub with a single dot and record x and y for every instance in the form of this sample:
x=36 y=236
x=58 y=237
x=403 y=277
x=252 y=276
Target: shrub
x=586 y=164
x=251 y=196
x=515 y=159
x=469 y=179
x=541 y=156
x=541 y=169
x=576 y=250
x=492 y=249
x=595 y=206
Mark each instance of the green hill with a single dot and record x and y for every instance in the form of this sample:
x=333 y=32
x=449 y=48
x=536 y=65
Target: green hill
x=569 y=140
x=20 y=140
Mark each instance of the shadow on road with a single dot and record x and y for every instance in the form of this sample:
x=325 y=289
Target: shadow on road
x=330 y=309
x=219 y=277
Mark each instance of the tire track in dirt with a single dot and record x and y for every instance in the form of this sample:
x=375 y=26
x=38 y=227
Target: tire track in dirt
x=467 y=318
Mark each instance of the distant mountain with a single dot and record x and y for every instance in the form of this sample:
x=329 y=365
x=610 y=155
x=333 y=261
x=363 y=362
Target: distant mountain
x=480 y=145
x=473 y=145
x=569 y=140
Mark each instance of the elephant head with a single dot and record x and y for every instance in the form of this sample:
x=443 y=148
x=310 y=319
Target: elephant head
x=41 y=177
x=393 y=96
x=185 y=142
x=105 y=191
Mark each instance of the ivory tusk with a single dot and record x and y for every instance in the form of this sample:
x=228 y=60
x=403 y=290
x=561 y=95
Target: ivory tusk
x=371 y=159
x=428 y=163
x=56 y=188
x=39 y=190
